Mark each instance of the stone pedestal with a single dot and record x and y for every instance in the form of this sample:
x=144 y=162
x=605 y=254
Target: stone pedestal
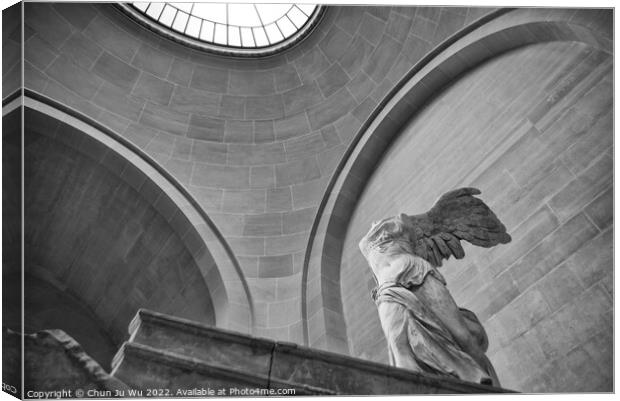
x=180 y=356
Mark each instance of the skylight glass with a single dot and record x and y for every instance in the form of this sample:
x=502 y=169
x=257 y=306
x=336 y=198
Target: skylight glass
x=231 y=25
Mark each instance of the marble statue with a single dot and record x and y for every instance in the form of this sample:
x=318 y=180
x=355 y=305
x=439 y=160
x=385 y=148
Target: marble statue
x=425 y=330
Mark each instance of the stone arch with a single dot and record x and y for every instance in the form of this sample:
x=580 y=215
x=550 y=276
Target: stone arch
x=232 y=302
x=322 y=314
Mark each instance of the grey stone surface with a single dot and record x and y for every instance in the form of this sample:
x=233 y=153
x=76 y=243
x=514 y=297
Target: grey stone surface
x=45 y=20
x=115 y=71
x=207 y=344
x=449 y=21
x=290 y=127
x=251 y=83
x=239 y=131
x=262 y=176
x=336 y=106
x=286 y=78
x=371 y=28
x=148 y=369
x=518 y=305
x=601 y=210
x=79 y=16
x=133 y=245
x=35 y=51
x=180 y=72
x=383 y=58
x=301 y=98
x=263 y=224
x=165 y=119
x=215 y=175
x=294 y=222
x=33 y=76
x=332 y=80
x=211 y=79
x=286 y=244
x=265 y=107
x=311 y=64
x=195 y=101
x=74 y=77
x=244 y=201
x=263 y=131
x=265 y=153
x=248 y=246
x=53 y=361
x=112 y=98
x=206 y=128
x=398 y=26
x=176 y=353
x=82 y=49
x=152 y=60
x=59 y=92
x=232 y=106
x=279 y=199
x=297 y=171
x=11 y=54
x=334 y=41
x=349 y=18
x=152 y=88
x=275 y=266
x=424 y=27
x=297 y=148
x=217 y=92
x=115 y=40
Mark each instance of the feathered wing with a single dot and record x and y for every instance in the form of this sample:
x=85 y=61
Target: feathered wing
x=457 y=215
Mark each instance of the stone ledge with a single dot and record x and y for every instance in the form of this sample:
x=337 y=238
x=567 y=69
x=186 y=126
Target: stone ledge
x=189 y=338
x=146 y=367
x=287 y=363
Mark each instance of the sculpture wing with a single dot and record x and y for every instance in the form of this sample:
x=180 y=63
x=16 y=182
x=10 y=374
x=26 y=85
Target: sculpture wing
x=457 y=215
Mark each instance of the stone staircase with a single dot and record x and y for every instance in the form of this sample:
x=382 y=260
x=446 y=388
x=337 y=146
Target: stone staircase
x=169 y=356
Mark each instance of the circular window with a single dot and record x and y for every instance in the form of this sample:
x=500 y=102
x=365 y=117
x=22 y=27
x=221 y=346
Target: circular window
x=230 y=28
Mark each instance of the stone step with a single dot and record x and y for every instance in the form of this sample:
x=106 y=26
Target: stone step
x=152 y=372
x=276 y=362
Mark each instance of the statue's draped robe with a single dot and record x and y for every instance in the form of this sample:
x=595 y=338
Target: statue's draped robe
x=416 y=337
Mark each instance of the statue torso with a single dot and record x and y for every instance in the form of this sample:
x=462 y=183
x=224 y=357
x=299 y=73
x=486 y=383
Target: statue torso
x=387 y=248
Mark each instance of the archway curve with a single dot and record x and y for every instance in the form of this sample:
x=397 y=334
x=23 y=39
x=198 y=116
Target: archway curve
x=322 y=313
x=222 y=274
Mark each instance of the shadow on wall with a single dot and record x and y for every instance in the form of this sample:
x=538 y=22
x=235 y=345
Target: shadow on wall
x=47 y=307
x=101 y=247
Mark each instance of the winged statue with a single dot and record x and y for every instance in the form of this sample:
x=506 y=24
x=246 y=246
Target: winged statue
x=425 y=330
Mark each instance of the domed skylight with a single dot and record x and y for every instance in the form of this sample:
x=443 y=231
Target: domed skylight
x=241 y=26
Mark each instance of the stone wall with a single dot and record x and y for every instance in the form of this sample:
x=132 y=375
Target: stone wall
x=532 y=129
x=254 y=141
x=47 y=307
x=93 y=235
